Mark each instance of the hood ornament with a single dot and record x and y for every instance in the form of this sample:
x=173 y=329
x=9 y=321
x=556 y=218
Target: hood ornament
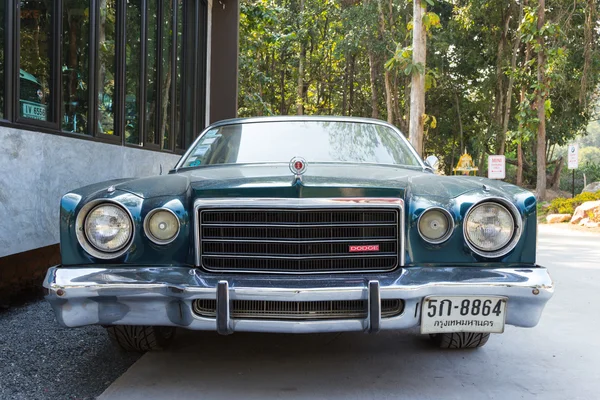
x=298 y=168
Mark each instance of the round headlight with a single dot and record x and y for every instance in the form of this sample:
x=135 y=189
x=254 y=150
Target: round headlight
x=161 y=226
x=108 y=228
x=435 y=225
x=489 y=227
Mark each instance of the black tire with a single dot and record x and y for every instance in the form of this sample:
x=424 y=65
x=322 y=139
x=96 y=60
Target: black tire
x=461 y=340
x=141 y=338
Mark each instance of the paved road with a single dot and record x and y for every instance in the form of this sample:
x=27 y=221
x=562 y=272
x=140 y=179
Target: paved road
x=559 y=359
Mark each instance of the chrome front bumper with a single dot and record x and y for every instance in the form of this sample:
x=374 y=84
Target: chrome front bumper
x=163 y=296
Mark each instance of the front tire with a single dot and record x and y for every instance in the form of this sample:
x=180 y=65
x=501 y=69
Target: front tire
x=460 y=340
x=141 y=339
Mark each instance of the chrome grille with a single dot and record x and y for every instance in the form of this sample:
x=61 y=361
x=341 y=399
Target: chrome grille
x=306 y=310
x=299 y=240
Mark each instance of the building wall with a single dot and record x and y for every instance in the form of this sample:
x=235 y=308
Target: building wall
x=38 y=168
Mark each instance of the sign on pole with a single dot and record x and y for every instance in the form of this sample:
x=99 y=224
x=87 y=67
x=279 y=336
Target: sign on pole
x=496 y=167
x=573 y=156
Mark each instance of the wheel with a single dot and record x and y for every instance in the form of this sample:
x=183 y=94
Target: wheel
x=141 y=338
x=460 y=340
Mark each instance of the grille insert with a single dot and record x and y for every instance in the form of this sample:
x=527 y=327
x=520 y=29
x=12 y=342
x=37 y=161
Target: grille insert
x=299 y=240
x=304 y=310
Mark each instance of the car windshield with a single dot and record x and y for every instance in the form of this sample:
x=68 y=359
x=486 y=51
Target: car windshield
x=315 y=141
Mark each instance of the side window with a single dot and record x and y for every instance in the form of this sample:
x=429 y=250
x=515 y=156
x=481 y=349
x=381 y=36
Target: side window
x=205 y=151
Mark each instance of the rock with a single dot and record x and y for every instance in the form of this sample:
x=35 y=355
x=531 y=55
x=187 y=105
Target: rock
x=585 y=210
x=592 y=187
x=592 y=225
x=557 y=218
x=584 y=221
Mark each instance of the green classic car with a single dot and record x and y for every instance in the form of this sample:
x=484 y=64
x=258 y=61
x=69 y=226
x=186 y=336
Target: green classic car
x=299 y=225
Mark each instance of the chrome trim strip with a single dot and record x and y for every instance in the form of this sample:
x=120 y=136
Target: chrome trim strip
x=450 y=226
x=313 y=257
x=147 y=230
x=82 y=236
x=517 y=221
x=290 y=118
x=293 y=226
x=300 y=203
x=292 y=241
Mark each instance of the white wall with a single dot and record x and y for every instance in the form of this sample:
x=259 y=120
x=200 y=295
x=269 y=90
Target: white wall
x=36 y=169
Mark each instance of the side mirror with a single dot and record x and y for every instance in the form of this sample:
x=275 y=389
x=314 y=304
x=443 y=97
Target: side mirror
x=433 y=162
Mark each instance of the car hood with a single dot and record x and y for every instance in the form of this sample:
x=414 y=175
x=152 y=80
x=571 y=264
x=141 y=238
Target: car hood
x=320 y=180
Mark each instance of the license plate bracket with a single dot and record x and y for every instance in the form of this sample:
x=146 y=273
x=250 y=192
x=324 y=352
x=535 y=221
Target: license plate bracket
x=447 y=314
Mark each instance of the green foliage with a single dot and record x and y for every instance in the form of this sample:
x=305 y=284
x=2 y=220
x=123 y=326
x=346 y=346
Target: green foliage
x=590 y=170
x=350 y=45
x=590 y=156
x=567 y=206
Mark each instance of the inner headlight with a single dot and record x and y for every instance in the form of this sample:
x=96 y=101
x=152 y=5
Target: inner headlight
x=435 y=225
x=161 y=226
x=489 y=226
x=108 y=228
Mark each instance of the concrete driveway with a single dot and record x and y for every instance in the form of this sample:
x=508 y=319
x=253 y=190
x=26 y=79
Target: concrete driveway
x=559 y=359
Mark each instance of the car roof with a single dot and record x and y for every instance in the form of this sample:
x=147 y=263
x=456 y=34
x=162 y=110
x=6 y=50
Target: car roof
x=296 y=118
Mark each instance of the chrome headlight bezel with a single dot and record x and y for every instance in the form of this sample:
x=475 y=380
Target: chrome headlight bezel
x=81 y=233
x=517 y=227
x=149 y=234
x=446 y=235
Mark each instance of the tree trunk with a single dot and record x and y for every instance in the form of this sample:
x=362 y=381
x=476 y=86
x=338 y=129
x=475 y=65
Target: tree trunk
x=519 y=163
x=541 y=112
x=345 y=90
x=417 y=92
x=520 y=160
x=587 y=49
x=460 y=126
x=555 y=180
x=397 y=112
x=282 y=107
x=511 y=81
x=499 y=103
x=351 y=94
x=374 y=95
x=389 y=103
x=302 y=55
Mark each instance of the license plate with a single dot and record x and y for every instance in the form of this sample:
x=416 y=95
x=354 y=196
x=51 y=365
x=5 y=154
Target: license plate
x=34 y=111
x=445 y=314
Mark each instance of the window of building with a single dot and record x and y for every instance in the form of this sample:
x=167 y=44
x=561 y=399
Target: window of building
x=1 y=59
x=75 y=66
x=35 y=67
x=133 y=72
x=118 y=71
x=105 y=67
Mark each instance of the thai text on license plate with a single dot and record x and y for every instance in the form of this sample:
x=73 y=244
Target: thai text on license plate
x=445 y=314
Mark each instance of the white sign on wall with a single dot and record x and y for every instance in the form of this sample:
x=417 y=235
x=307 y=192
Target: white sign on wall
x=496 y=167
x=573 y=156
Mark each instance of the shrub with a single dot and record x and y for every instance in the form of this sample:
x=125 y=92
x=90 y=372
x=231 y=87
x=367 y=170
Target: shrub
x=567 y=206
